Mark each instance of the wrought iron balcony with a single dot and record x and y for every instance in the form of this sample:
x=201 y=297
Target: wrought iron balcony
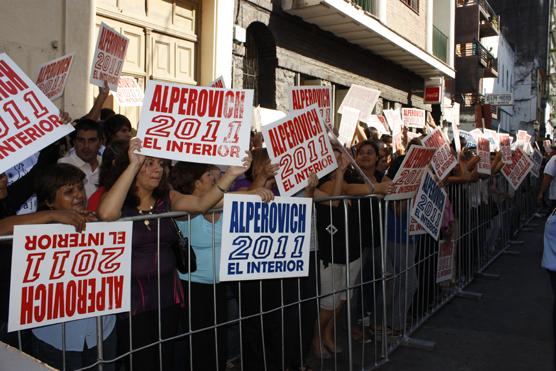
x=486 y=59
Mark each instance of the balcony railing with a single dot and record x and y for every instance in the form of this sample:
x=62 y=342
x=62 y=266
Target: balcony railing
x=489 y=16
x=439 y=44
x=490 y=26
x=366 y=5
x=486 y=59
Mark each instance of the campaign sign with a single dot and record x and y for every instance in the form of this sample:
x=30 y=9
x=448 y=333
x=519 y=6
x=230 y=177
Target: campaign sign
x=348 y=124
x=443 y=160
x=469 y=139
x=413 y=117
x=301 y=97
x=300 y=145
x=521 y=136
x=109 y=57
x=28 y=119
x=362 y=99
x=263 y=240
x=129 y=93
x=61 y=275
x=537 y=163
x=198 y=124
x=445 y=267
x=483 y=151
x=505 y=148
x=493 y=139
x=428 y=207
x=518 y=169
x=53 y=75
x=379 y=123
x=414 y=227
x=407 y=179
x=547 y=144
x=218 y=83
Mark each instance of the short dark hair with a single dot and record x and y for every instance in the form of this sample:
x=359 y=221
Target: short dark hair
x=184 y=174
x=53 y=178
x=86 y=124
x=106 y=113
x=368 y=142
x=112 y=125
x=121 y=162
x=107 y=171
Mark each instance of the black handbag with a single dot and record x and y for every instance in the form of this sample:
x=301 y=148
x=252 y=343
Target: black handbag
x=186 y=261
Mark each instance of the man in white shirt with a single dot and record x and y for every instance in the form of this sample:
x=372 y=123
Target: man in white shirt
x=86 y=139
x=548 y=181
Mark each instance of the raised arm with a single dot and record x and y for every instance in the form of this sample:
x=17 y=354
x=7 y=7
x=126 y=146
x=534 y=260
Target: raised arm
x=72 y=217
x=112 y=201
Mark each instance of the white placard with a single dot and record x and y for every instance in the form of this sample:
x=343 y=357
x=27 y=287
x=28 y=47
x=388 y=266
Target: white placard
x=362 y=99
x=28 y=119
x=443 y=160
x=505 y=148
x=61 y=275
x=493 y=139
x=264 y=116
x=483 y=151
x=445 y=267
x=265 y=240
x=379 y=123
x=300 y=145
x=516 y=172
x=198 y=124
x=408 y=177
x=129 y=93
x=414 y=117
x=301 y=97
x=218 y=83
x=53 y=75
x=109 y=57
x=348 y=124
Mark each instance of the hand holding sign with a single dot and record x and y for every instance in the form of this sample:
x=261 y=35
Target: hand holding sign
x=134 y=153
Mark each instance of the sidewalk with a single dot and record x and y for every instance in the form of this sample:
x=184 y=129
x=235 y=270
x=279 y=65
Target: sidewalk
x=508 y=329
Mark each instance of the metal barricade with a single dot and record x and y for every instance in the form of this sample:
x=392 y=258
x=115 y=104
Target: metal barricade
x=371 y=285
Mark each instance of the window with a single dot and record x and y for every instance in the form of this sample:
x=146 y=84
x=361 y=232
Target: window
x=413 y=4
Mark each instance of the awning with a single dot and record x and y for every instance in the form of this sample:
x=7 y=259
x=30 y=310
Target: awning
x=357 y=27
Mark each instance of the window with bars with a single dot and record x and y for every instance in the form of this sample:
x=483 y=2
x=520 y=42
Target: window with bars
x=413 y=4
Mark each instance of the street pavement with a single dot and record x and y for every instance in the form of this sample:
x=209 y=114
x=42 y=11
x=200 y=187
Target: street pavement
x=508 y=329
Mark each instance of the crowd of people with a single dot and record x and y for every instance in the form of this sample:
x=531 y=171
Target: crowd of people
x=97 y=174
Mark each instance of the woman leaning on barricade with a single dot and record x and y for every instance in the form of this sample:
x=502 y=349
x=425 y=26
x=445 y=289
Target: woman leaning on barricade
x=142 y=189
x=206 y=295
x=335 y=257
x=60 y=189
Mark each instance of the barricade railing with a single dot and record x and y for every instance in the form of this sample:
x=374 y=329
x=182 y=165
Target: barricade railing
x=370 y=286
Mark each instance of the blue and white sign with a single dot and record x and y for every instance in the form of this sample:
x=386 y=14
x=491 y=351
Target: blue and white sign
x=428 y=208
x=265 y=240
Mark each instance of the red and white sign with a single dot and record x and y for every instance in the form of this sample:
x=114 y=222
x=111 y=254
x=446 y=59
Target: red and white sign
x=547 y=144
x=60 y=275
x=483 y=151
x=521 y=136
x=537 y=163
x=218 y=83
x=394 y=119
x=301 y=97
x=129 y=93
x=109 y=57
x=198 y=124
x=362 y=99
x=445 y=267
x=379 y=123
x=519 y=168
x=29 y=121
x=433 y=94
x=408 y=177
x=53 y=75
x=300 y=145
x=505 y=148
x=443 y=160
x=413 y=117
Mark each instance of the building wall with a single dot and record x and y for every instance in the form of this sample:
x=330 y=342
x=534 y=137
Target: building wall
x=302 y=48
x=406 y=22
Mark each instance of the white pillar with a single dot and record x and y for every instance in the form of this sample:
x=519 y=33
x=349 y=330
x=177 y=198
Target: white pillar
x=429 y=21
x=452 y=35
x=381 y=10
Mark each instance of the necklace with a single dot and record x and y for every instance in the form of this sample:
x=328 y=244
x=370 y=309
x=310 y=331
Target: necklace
x=147 y=222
